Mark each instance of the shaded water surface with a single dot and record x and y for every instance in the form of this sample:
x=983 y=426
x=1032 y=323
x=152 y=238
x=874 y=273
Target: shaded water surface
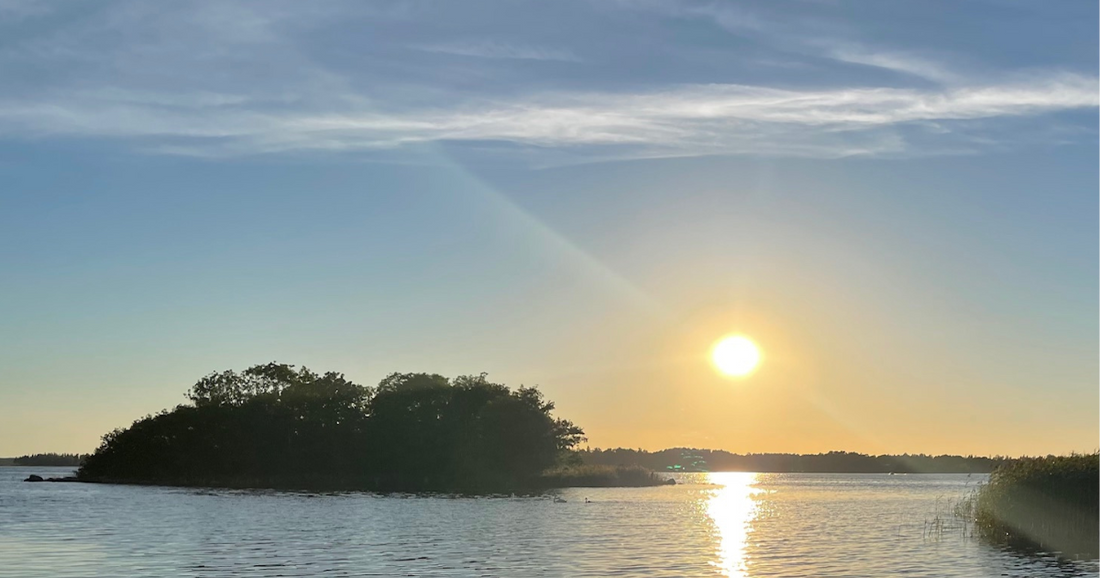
x=710 y=525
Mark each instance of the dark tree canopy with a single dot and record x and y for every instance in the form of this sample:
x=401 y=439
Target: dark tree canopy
x=275 y=382
x=276 y=425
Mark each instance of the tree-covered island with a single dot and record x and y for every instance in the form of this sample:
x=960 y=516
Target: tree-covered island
x=276 y=426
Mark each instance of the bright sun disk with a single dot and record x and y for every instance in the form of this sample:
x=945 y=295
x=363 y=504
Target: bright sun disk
x=735 y=355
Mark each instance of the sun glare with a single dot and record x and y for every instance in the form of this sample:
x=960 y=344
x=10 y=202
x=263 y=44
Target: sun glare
x=735 y=356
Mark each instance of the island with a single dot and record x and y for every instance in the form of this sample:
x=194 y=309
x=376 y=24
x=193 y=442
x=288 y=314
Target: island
x=275 y=426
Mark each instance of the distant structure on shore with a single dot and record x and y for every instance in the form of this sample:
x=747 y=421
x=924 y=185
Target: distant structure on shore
x=690 y=461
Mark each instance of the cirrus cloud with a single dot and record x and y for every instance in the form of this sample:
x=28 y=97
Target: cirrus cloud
x=686 y=120
x=233 y=78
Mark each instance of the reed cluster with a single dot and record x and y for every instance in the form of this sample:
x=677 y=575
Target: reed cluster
x=1049 y=503
x=596 y=476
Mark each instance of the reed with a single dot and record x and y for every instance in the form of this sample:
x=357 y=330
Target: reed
x=1048 y=503
x=595 y=476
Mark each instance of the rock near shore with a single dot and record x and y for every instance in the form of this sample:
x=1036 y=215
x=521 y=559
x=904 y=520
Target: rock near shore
x=38 y=478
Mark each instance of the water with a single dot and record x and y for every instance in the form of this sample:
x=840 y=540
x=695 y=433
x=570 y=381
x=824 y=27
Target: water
x=745 y=525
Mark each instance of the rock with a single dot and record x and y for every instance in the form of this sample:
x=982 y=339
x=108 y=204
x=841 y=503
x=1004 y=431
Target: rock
x=37 y=478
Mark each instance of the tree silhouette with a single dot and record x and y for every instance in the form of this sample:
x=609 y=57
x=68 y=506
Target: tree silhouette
x=274 y=425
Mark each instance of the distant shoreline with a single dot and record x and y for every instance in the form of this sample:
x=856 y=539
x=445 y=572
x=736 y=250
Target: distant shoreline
x=696 y=459
x=44 y=460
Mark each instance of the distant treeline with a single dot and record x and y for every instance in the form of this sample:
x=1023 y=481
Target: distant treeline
x=691 y=459
x=276 y=426
x=48 y=460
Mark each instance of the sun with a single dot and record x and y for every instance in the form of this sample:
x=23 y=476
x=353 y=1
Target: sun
x=735 y=355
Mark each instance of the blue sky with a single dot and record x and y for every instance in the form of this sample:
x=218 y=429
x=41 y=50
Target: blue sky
x=897 y=200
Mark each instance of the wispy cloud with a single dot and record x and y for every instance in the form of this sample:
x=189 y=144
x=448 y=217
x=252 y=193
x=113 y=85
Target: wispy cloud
x=700 y=119
x=807 y=36
x=894 y=61
x=231 y=78
x=495 y=49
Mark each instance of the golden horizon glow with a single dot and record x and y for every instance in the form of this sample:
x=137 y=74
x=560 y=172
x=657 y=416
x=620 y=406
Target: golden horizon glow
x=735 y=356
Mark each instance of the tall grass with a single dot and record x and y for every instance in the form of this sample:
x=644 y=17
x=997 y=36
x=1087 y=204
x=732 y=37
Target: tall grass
x=1049 y=503
x=593 y=476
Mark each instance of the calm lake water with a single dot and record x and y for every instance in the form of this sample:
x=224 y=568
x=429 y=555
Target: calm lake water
x=728 y=524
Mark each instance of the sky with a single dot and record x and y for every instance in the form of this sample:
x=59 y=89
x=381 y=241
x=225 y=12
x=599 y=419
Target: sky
x=897 y=202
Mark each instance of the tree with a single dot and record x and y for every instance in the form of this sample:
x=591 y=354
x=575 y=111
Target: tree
x=273 y=424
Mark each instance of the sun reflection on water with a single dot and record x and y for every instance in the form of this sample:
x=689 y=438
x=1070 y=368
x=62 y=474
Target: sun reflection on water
x=732 y=507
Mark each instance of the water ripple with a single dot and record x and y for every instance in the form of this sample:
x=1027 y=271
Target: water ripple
x=726 y=524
